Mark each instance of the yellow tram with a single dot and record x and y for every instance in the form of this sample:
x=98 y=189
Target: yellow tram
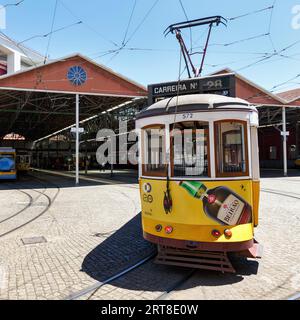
x=23 y=162
x=199 y=179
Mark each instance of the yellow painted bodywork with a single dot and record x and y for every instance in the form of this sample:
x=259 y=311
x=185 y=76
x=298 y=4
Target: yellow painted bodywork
x=7 y=173
x=255 y=195
x=23 y=167
x=297 y=162
x=188 y=218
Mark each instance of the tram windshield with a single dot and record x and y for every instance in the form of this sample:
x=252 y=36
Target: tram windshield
x=190 y=149
x=7 y=162
x=231 y=148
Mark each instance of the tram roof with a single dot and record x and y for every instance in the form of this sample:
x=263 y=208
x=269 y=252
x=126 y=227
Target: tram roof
x=194 y=103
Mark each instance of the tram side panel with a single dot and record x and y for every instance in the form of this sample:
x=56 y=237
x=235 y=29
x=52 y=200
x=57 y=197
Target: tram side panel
x=255 y=174
x=199 y=207
x=8 y=165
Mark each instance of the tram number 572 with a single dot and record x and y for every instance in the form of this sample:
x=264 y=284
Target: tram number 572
x=187 y=115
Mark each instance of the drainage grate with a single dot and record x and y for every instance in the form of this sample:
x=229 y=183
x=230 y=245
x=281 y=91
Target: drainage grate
x=34 y=240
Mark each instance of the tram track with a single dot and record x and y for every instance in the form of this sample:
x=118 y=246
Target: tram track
x=284 y=194
x=93 y=289
x=89 y=292
x=21 y=188
x=22 y=210
x=176 y=285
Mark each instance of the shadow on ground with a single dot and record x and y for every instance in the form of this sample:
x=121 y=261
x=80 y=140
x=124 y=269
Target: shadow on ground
x=36 y=180
x=278 y=173
x=127 y=246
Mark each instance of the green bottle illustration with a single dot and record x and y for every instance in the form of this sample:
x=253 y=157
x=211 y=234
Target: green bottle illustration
x=221 y=204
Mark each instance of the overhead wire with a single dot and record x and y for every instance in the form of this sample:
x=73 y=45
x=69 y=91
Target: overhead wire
x=250 y=13
x=285 y=82
x=88 y=25
x=124 y=44
x=236 y=41
x=11 y=4
x=50 y=33
x=141 y=22
x=115 y=52
x=270 y=26
x=39 y=76
x=187 y=19
x=129 y=22
x=270 y=56
x=52 y=27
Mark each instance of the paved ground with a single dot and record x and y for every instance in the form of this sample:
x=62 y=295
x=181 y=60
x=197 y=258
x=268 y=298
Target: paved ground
x=93 y=231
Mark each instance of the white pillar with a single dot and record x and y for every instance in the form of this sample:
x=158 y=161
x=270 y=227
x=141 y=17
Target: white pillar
x=77 y=138
x=13 y=62
x=284 y=141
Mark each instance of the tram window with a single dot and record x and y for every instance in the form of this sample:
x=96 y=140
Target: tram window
x=190 y=149
x=154 y=155
x=231 y=148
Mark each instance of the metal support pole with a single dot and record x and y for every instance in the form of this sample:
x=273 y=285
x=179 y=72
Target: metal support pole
x=297 y=140
x=86 y=158
x=205 y=50
x=184 y=51
x=284 y=141
x=112 y=159
x=77 y=138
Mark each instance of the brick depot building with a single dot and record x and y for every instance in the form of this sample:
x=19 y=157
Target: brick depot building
x=271 y=108
x=37 y=99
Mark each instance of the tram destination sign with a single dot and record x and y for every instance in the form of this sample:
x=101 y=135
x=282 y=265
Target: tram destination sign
x=219 y=84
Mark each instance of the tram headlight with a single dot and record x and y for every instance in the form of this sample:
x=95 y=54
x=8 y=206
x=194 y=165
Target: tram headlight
x=158 y=228
x=228 y=233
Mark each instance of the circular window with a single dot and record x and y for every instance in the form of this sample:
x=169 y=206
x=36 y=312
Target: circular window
x=77 y=75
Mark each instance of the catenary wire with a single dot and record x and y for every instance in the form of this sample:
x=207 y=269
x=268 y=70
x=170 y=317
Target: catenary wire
x=50 y=33
x=129 y=22
x=87 y=24
x=250 y=13
x=52 y=27
x=11 y=4
x=187 y=19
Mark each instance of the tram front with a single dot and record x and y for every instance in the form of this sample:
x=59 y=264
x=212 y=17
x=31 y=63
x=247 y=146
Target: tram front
x=199 y=177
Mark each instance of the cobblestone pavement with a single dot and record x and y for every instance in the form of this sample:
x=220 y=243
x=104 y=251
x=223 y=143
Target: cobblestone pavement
x=93 y=231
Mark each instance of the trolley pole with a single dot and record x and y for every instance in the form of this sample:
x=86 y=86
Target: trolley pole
x=77 y=138
x=284 y=135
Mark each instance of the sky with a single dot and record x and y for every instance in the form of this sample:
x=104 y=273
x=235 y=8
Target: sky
x=105 y=24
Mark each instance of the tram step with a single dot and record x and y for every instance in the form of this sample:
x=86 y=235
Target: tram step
x=217 y=261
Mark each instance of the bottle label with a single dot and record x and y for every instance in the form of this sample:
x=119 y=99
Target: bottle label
x=231 y=210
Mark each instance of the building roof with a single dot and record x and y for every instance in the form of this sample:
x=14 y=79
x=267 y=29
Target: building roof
x=252 y=92
x=52 y=77
x=38 y=101
x=290 y=95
